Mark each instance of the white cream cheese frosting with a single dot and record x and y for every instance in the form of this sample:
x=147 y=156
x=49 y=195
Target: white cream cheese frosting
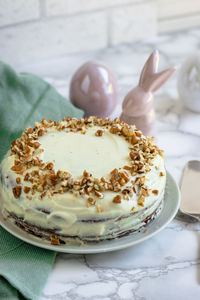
x=69 y=210
x=78 y=152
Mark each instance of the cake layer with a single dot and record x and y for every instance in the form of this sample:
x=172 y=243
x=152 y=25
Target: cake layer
x=48 y=233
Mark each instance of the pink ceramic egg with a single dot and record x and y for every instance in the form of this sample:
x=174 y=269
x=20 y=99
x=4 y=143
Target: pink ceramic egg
x=93 y=88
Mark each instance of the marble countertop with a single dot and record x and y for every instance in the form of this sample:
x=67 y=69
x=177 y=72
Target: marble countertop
x=167 y=266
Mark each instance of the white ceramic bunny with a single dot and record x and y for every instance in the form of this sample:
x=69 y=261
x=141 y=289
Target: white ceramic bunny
x=137 y=107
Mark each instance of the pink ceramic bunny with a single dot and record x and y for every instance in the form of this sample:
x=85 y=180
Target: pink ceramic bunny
x=137 y=107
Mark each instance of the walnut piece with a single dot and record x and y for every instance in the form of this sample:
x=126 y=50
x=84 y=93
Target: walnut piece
x=145 y=192
x=27 y=189
x=17 y=191
x=55 y=240
x=17 y=168
x=91 y=201
x=99 y=132
x=155 y=192
x=117 y=199
x=141 y=201
x=40 y=132
x=18 y=180
x=98 y=194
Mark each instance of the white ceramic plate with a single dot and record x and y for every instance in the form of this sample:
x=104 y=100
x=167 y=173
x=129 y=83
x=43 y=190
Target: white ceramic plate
x=168 y=212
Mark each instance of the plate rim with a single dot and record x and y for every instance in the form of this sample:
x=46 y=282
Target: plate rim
x=15 y=231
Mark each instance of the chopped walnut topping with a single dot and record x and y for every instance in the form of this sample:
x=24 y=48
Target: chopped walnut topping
x=133 y=208
x=145 y=192
x=26 y=177
x=155 y=192
x=55 y=240
x=133 y=188
x=91 y=201
x=114 y=174
x=115 y=128
x=36 y=145
x=141 y=200
x=29 y=130
x=40 y=188
x=27 y=189
x=18 y=180
x=125 y=130
x=41 y=132
x=134 y=139
x=17 y=191
x=117 y=120
x=86 y=174
x=117 y=199
x=124 y=175
x=17 y=168
x=133 y=155
x=128 y=131
x=122 y=181
x=98 y=194
x=99 y=132
x=44 y=122
x=162 y=174
x=142 y=180
x=103 y=179
x=138 y=133
x=34 y=187
x=49 y=166
x=35 y=172
x=126 y=191
x=127 y=168
x=45 y=179
x=43 y=194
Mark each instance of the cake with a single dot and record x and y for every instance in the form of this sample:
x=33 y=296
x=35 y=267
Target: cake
x=83 y=180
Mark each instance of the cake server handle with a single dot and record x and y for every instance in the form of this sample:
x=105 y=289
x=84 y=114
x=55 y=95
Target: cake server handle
x=190 y=190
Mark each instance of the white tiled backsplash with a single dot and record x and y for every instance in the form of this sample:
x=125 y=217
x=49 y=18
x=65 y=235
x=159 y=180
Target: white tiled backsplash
x=32 y=30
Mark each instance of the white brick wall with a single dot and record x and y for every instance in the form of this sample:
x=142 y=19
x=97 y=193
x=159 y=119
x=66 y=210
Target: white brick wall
x=16 y=11
x=176 y=8
x=44 y=39
x=61 y=7
x=174 y=15
x=181 y=23
x=132 y=23
x=32 y=30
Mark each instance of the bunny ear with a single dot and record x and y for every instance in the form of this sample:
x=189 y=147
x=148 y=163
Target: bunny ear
x=150 y=67
x=158 y=79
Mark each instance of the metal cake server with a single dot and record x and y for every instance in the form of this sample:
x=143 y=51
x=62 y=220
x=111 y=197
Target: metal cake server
x=190 y=191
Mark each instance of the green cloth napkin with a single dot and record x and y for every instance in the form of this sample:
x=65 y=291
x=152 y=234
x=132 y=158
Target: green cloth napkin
x=23 y=268
x=24 y=99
